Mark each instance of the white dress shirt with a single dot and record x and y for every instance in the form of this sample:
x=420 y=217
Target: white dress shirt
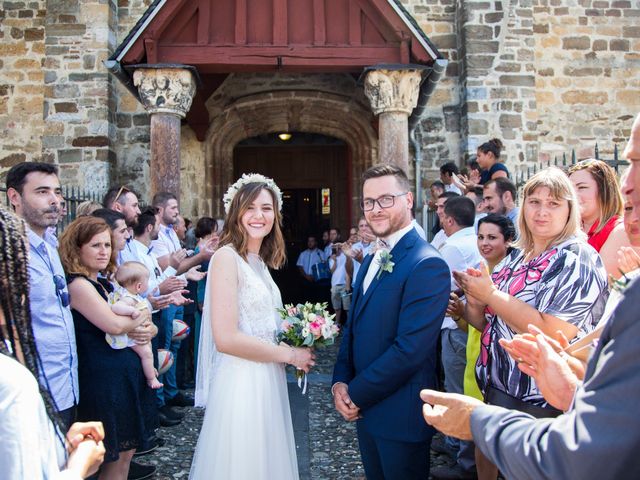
x=167 y=242
x=460 y=251
x=439 y=239
x=391 y=242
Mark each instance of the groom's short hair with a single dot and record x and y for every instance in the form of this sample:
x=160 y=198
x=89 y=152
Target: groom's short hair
x=385 y=169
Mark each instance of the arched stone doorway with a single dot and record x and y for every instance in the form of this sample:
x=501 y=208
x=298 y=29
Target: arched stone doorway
x=296 y=110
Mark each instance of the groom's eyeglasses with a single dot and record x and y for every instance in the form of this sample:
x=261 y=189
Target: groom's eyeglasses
x=385 y=201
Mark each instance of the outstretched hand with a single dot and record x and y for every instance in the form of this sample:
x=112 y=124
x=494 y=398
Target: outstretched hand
x=449 y=413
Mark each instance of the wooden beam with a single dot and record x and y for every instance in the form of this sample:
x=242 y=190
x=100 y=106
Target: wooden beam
x=237 y=58
x=150 y=48
x=204 y=20
x=319 y=23
x=280 y=28
x=241 y=22
x=355 y=25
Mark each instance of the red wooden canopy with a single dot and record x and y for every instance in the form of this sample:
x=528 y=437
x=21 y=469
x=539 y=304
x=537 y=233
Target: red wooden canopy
x=219 y=37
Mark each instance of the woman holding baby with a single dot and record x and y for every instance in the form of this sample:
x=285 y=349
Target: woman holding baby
x=113 y=387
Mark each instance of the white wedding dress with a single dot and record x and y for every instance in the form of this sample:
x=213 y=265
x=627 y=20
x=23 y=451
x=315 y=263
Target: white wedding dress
x=247 y=431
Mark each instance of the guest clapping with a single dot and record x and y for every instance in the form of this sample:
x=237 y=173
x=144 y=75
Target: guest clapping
x=554 y=281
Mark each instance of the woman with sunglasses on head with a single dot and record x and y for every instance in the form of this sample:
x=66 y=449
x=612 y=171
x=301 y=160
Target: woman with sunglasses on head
x=553 y=281
x=113 y=388
x=33 y=445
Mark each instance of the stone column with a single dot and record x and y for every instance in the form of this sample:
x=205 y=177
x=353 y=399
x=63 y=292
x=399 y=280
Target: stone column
x=166 y=93
x=393 y=95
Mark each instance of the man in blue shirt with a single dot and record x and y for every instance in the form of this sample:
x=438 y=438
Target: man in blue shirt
x=34 y=192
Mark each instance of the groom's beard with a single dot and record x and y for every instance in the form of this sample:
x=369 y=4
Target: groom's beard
x=395 y=223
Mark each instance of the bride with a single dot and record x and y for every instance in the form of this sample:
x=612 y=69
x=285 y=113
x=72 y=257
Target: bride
x=247 y=431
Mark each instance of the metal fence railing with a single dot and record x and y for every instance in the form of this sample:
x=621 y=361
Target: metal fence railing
x=562 y=162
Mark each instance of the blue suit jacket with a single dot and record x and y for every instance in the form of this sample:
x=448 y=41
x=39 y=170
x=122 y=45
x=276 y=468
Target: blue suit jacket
x=388 y=350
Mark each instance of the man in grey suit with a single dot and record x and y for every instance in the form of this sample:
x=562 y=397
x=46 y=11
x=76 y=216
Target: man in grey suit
x=598 y=436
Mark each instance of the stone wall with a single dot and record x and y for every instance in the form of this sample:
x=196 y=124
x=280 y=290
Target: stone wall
x=131 y=122
x=588 y=74
x=543 y=75
x=22 y=49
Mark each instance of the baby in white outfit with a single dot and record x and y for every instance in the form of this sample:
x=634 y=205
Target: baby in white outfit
x=133 y=279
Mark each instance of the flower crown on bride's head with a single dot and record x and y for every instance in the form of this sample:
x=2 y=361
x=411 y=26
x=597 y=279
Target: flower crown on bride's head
x=246 y=179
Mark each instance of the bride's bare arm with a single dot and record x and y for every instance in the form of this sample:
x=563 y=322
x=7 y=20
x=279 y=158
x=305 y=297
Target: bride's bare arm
x=224 y=320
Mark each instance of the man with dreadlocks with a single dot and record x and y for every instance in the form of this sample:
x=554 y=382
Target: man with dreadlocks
x=34 y=192
x=32 y=444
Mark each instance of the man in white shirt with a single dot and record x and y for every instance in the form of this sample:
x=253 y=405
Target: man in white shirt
x=169 y=252
x=448 y=173
x=334 y=236
x=308 y=258
x=500 y=197
x=312 y=256
x=460 y=251
x=441 y=236
x=361 y=249
x=341 y=270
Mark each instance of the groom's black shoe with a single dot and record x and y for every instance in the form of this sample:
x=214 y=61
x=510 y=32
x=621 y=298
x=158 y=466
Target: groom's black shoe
x=140 y=472
x=181 y=400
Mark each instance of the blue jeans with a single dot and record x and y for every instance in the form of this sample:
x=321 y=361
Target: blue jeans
x=454 y=360
x=170 y=388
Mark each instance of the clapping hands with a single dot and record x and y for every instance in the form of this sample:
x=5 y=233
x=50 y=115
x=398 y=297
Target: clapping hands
x=543 y=358
x=476 y=283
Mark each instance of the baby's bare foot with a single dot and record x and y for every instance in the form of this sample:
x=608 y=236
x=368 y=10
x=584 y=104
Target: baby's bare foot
x=155 y=384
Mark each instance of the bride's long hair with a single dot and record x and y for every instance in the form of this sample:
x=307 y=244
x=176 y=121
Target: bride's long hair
x=272 y=250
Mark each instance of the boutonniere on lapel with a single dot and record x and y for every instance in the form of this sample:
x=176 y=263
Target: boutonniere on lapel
x=385 y=263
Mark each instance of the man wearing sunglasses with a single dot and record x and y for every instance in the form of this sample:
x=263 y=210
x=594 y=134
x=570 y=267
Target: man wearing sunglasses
x=34 y=192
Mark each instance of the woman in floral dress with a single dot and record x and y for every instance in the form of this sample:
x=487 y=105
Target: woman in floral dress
x=554 y=280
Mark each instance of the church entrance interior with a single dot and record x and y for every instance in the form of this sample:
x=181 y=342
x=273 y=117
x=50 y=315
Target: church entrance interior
x=313 y=171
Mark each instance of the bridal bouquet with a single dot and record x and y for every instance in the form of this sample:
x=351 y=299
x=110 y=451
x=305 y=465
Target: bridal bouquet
x=307 y=325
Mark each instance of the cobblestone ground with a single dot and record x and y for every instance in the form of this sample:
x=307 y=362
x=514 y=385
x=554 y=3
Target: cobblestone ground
x=327 y=445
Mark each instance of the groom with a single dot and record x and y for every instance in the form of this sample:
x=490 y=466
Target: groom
x=388 y=350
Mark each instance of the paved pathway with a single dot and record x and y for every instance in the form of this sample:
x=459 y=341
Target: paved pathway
x=327 y=445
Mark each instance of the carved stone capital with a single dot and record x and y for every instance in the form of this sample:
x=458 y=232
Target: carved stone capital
x=392 y=90
x=165 y=90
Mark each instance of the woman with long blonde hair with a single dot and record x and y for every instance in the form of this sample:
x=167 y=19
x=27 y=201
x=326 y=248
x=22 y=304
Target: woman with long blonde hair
x=247 y=431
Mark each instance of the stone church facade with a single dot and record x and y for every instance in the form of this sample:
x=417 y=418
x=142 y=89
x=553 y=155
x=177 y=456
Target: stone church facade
x=545 y=76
